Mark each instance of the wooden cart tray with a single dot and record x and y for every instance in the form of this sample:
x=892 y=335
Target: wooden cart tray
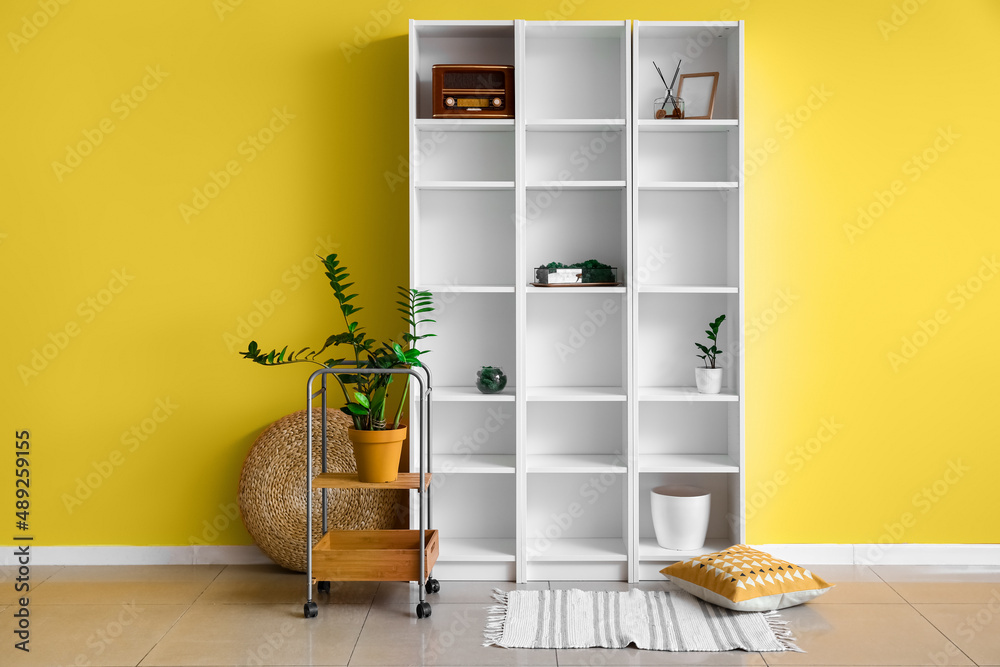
x=576 y=284
x=349 y=480
x=373 y=555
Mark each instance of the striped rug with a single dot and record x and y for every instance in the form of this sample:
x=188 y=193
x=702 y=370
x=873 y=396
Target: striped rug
x=655 y=620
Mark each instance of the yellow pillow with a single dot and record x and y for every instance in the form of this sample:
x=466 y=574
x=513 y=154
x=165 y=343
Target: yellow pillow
x=745 y=579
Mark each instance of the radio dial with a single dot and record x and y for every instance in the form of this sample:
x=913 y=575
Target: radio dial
x=449 y=101
x=497 y=102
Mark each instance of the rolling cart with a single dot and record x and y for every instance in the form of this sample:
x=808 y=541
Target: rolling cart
x=371 y=555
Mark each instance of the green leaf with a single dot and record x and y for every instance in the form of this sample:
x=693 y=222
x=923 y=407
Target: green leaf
x=356 y=409
x=362 y=399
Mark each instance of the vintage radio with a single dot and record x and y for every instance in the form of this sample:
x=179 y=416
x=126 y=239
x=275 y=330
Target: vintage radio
x=473 y=91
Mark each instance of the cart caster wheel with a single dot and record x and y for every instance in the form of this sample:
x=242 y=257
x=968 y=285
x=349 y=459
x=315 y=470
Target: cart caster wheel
x=323 y=587
x=432 y=585
x=311 y=609
x=423 y=610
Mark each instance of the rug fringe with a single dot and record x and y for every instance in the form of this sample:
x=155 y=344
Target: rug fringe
x=781 y=631
x=496 y=617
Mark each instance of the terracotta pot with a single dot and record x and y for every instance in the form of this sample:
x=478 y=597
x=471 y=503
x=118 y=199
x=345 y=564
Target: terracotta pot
x=377 y=453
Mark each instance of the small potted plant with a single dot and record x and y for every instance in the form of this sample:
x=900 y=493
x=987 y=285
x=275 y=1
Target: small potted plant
x=377 y=442
x=708 y=377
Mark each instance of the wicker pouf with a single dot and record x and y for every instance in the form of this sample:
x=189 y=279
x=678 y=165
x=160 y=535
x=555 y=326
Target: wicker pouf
x=272 y=493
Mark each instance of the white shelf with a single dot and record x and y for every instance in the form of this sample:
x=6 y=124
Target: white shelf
x=532 y=289
x=689 y=185
x=649 y=550
x=575 y=125
x=472 y=289
x=465 y=124
x=439 y=394
x=458 y=549
x=577 y=549
x=688 y=289
x=464 y=185
x=694 y=125
x=575 y=185
x=599 y=381
x=682 y=394
x=710 y=463
x=473 y=464
x=456 y=28
x=576 y=463
x=576 y=394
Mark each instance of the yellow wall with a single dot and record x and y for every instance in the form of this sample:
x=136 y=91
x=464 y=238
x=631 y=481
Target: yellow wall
x=167 y=93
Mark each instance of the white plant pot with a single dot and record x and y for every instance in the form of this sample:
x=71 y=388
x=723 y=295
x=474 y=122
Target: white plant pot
x=709 y=380
x=680 y=516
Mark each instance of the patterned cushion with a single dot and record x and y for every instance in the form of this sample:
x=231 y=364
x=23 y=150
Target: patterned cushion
x=745 y=579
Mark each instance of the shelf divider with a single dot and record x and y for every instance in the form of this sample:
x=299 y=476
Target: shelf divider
x=576 y=463
x=460 y=549
x=577 y=394
x=683 y=394
x=649 y=550
x=667 y=463
x=568 y=549
x=474 y=463
x=470 y=393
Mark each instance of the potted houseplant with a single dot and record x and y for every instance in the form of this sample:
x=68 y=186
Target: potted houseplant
x=377 y=441
x=709 y=377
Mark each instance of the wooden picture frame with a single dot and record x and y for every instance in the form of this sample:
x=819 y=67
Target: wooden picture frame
x=698 y=93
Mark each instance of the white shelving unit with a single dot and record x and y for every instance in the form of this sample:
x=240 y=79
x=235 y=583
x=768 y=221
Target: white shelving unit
x=550 y=478
x=689 y=264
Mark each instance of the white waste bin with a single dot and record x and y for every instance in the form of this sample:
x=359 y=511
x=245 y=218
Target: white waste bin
x=680 y=516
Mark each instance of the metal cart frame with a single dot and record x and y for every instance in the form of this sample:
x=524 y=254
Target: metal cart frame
x=426 y=583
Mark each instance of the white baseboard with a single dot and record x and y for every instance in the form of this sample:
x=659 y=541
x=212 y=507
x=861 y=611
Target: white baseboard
x=886 y=554
x=125 y=555
x=812 y=554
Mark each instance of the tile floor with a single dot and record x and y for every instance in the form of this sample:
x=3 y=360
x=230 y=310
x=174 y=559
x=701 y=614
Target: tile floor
x=252 y=615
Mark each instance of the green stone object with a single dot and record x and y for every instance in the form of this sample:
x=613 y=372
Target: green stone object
x=491 y=379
